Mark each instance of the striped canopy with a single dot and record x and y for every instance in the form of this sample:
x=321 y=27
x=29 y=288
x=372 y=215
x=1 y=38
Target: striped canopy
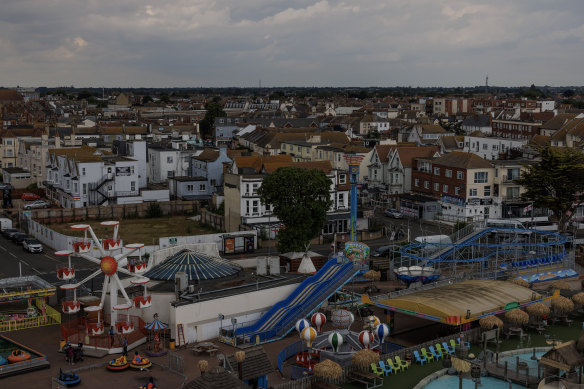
x=197 y=265
x=155 y=325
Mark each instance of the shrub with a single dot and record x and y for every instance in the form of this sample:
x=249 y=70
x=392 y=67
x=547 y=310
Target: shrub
x=153 y=210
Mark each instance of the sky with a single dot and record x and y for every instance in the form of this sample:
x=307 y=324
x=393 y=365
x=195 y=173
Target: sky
x=223 y=43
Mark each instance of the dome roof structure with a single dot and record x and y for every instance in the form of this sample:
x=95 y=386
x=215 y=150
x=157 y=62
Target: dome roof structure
x=196 y=265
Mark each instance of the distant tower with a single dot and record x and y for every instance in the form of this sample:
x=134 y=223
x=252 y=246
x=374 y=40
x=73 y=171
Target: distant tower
x=487 y=84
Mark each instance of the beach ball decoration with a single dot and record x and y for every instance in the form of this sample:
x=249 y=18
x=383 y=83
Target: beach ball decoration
x=318 y=320
x=308 y=335
x=335 y=340
x=374 y=320
x=365 y=338
x=302 y=324
x=381 y=331
x=341 y=318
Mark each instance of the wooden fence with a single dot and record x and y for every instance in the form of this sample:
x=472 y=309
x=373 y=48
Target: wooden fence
x=113 y=211
x=212 y=219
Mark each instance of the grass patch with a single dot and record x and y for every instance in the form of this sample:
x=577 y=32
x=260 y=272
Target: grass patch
x=145 y=231
x=411 y=377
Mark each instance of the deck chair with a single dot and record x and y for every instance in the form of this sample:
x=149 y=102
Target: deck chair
x=375 y=369
x=404 y=365
x=466 y=344
x=420 y=359
x=429 y=356
x=396 y=369
x=437 y=354
x=447 y=347
x=441 y=349
x=386 y=369
x=453 y=344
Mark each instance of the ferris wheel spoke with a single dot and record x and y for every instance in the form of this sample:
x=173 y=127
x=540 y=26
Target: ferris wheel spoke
x=121 y=287
x=125 y=271
x=104 y=290
x=96 y=242
x=96 y=273
x=121 y=257
x=89 y=258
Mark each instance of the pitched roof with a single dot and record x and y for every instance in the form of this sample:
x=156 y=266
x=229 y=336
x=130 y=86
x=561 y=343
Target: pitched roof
x=208 y=155
x=558 y=121
x=462 y=160
x=540 y=140
x=407 y=154
x=564 y=356
x=256 y=363
x=383 y=152
x=432 y=129
x=81 y=154
x=256 y=162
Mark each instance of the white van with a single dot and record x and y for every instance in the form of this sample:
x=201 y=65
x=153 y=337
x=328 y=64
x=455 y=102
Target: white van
x=504 y=223
x=5 y=223
x=434 y=239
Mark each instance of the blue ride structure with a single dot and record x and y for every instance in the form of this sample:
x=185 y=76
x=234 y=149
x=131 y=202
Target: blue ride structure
x=306 y=298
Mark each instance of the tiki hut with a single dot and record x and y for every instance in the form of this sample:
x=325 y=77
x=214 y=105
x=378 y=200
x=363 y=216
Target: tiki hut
x=560 y=284
x=562 y=305
x=517 y=317
x=521 y=282
x=216 y=378
x=490 y=322
x=460 y=365
x=580 y=344
x=372 y=275
x=328 y=370
x=251 y=365
x=362 y=359
x=564 y=357
x=578 y=298
x=538 y=310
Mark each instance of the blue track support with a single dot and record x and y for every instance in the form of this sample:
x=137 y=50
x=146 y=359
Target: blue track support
x=311 y=292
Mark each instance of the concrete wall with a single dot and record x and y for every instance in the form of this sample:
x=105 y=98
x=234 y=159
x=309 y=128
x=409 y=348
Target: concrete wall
x=200 y=320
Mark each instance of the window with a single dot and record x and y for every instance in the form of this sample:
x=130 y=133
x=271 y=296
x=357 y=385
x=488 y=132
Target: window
x=298 y=148
x=202 y=187
x=132 y=185
x=460 y=175
x=255 y=188
x=436 y=186
x=131 y=169
x=213 y=182
x=436 y=171
x=109 y=169
x=445 y=188
x=190 y=188
x=426 y=184
x=75 y=188
x=456 y=190
x=513 y=192
x=472 y=192
x=9 y=142
x=487 y=190
x=82 y=171
x=170 y=173
x=417 y=182
x=255 y=207
x=341 y=203
x=247 y=207
x=481 y=177
x=342 y=179
x=169 y=159
x=485 y=146
x=84 y=189
x=448 y=173
x=247 y=188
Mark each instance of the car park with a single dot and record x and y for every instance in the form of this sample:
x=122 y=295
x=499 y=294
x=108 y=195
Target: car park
x=30 y=197
x=394 y=213
x=32 y=245
x=36 y=204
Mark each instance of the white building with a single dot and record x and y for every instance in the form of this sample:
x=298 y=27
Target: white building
x=490 y=148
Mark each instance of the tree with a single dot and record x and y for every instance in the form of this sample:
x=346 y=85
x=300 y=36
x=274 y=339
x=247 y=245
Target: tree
x=556 y=182
x=214 y=110
x=300 y=199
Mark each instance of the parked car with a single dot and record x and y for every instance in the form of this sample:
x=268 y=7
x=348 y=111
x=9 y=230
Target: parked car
x=37 y=204
x=30 y=197
x=6 y=233
x=18 y=237
x=32 y=245
x=394 y=213
x=10 y=235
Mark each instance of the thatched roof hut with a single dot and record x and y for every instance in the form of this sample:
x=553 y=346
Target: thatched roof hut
x=372 y=275
x=517 y=317
x=490 y=322
x=364 y=358
x=564 y=356
x=328 y=369
x=460 y=365
x=521 y=282
x=216 y=378
x=578 y=298
x=562 y=304
x=538 y=310
x=560 y=284
x=255 y=363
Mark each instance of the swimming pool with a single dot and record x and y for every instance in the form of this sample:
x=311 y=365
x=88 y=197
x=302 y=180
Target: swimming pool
x=512 y=361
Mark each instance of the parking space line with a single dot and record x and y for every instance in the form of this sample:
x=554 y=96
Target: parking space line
x=51 y=258
x=13 y=255
x=38 y=272
x=2 y=247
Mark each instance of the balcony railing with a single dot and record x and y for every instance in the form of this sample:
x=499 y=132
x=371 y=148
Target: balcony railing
x=510 y=179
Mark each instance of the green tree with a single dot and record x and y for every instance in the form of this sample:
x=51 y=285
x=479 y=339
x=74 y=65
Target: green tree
x=214 y=110
x=556 y=182
x=300 y=199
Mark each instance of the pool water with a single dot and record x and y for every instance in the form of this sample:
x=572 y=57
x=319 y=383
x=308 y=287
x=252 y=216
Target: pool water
x=449 y=382
x=6 y=347
x=512 y=360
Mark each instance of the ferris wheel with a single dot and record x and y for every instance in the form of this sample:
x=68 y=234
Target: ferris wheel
x=110 y=265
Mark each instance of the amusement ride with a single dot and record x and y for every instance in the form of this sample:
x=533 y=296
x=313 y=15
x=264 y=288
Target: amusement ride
x=110 y=265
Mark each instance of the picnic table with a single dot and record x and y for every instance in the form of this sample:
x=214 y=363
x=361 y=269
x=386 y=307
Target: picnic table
x=370 y=380
x=205 y=347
